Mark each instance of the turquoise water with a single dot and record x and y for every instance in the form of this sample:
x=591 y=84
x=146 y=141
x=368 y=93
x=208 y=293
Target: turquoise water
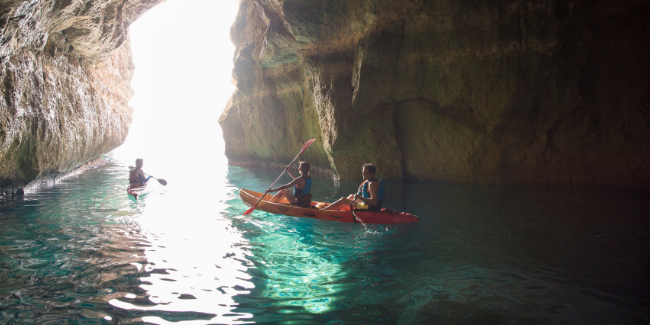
x=83 y=252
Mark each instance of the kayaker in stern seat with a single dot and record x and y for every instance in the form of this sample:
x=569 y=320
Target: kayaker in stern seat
x=301 y=195
x=136 y=175
x=370 y=195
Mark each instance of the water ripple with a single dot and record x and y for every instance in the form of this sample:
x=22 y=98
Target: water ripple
x=82 y=251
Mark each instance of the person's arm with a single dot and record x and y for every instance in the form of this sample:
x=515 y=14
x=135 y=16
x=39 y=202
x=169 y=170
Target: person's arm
x=358 y=194
x=293 y=183
x=142 y=178
x=288 y=169
x=373 y=188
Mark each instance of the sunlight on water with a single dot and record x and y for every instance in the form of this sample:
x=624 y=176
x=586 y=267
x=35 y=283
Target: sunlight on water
x=83 y=251
x=297 y=273
x=196 y=257
x=197 y=260
x=183 y=224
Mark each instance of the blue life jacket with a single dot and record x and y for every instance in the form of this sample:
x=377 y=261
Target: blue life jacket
x=297 y=192
x=380 y=195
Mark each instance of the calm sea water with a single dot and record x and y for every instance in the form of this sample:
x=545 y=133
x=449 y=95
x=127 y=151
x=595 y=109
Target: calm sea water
x=83 y=252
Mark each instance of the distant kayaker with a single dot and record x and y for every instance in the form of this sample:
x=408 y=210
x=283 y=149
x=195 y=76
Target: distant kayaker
x=136 y=175
x=370 y=195
x=301 y=195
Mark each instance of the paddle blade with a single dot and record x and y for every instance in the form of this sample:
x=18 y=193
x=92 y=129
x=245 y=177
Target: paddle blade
x=249 y=211
x=256 y=203
x=162 y=181
x=306 y=145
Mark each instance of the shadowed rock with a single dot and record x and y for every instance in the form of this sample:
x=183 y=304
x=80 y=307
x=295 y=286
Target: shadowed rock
x=493 y=92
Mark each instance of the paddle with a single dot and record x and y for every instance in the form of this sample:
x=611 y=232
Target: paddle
x=354 y=215
x=160 y=180
x=304 y=147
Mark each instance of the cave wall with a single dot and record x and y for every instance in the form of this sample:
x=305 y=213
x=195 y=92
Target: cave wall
x=539 y=92
x=65 y=73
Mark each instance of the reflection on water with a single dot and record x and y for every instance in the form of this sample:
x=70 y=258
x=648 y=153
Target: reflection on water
x=81 y=251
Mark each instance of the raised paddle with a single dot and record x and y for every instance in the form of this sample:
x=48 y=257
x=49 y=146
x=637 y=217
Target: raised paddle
x=304 y=147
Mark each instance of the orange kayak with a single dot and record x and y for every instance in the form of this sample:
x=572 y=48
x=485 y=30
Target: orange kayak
x=386 y=216
x=136 y=190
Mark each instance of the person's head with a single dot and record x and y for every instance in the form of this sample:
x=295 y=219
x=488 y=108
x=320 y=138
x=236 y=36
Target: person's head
x=369 y=171
x=138 y=162
x=304 y=168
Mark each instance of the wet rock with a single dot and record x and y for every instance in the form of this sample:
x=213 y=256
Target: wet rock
x=65 y=73
x=491 y=92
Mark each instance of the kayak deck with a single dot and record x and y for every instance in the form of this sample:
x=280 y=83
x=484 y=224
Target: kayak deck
x=343 y=215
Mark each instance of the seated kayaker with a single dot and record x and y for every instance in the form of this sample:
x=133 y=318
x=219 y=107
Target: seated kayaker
x=136 y=175
x=301 y=195
x=370 y=195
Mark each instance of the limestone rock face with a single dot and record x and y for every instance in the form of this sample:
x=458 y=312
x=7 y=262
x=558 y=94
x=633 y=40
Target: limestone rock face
x=533 y=92
x=65 y=73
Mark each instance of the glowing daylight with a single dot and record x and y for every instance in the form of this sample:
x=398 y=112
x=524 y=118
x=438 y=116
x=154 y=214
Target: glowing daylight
x=183 y=60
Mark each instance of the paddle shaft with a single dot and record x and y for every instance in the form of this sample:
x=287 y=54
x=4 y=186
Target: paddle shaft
x=160 y=180
x=304 y=147
x=276 y=180
x=354 y=215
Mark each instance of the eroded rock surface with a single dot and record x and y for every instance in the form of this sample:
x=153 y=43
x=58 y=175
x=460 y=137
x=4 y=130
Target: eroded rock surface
x=494 y=92
x=65 y=72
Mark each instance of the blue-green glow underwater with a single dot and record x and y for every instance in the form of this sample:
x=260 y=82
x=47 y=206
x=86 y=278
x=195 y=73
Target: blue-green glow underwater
x=82 y=252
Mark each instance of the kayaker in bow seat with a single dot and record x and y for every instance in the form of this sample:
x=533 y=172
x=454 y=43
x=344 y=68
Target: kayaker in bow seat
x=370 y=195
x=136 y=175
x=301 y=195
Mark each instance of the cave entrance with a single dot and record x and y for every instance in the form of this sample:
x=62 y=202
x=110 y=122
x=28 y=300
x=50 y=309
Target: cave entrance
x=182 y=81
